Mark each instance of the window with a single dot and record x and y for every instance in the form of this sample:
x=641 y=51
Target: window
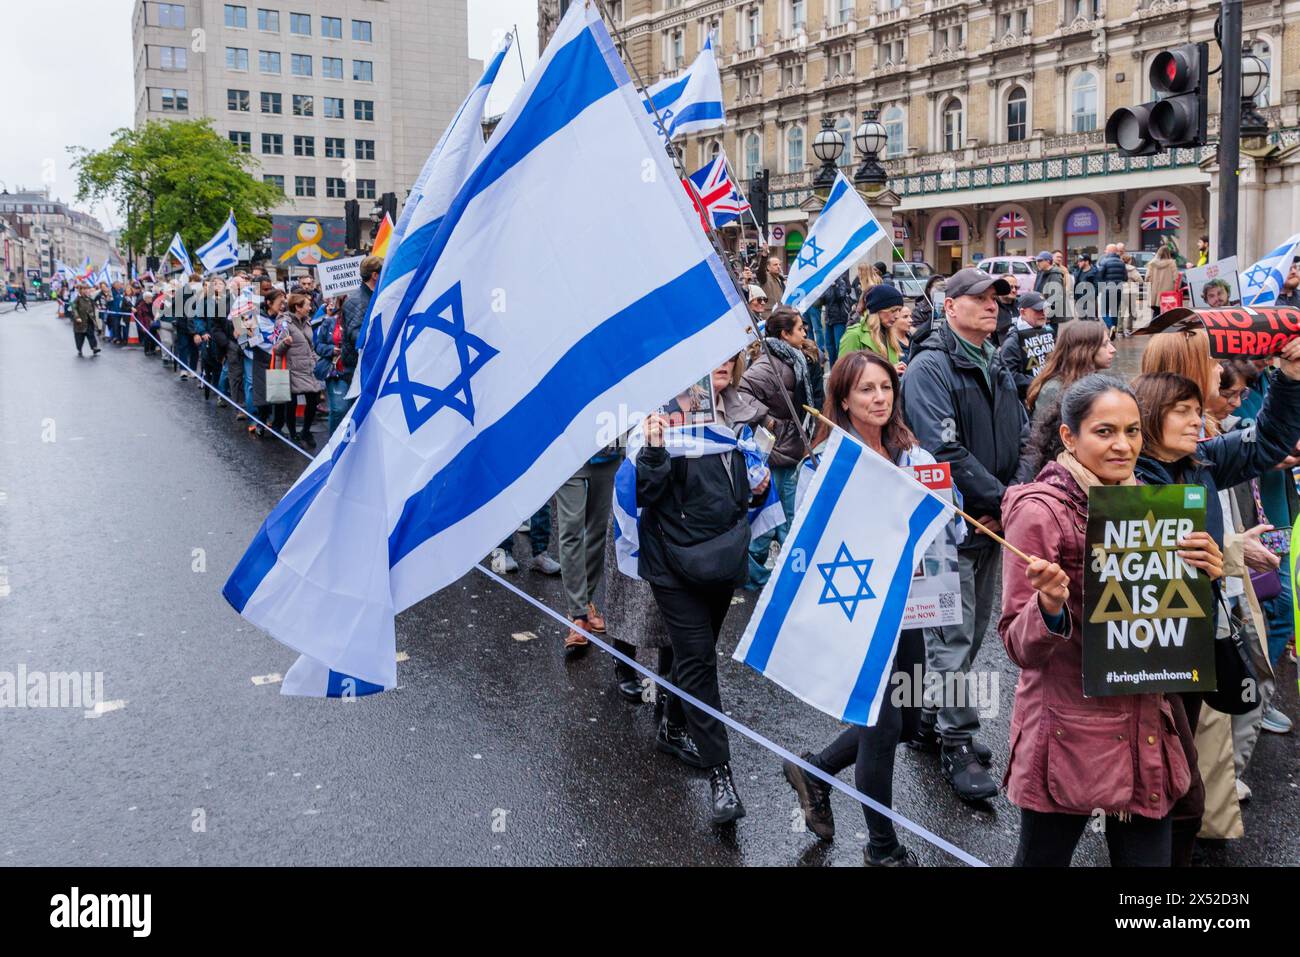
x=792 y=73
x=268 y=61
x=365 y=149
x=236 y=17
x=753 y=28
x=334 y=147
x=1082 y=9
x=170 y=14
x=1083 y=102
x=363 y=109
x=174 y=101
x=303 y=105
x=363 y=71
x=300 y=24
x=895 y=124
x=237 y=100
x=171 y=58
x=300 y=64
x=271 y=103
x=954 y=123
x=676 y=50
x=242 y=139
x=794 y=149
x=361 y=31
x=753 y=155
x=275 y=179
x=798 y=14
x=847 y=10
x=844 y=126
x=236 y=58
x=304 y=186
x=304 y=146
x=331 y=27
x=1017 y=115
x=273 y=144
x=333 y=107
x=336 y=188
x=331 y=67
x=268 y=21
x=365 y=189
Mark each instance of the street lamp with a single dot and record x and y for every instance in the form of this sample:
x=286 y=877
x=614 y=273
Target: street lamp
x=870 y=140
x=827 y=147
x=1254 y=81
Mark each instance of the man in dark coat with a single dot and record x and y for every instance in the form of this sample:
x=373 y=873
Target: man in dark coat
x=1112 y=274
x=1085 y=288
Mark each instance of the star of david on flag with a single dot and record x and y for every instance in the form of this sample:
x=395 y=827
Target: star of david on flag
x=845 y=232
x=831 y=594
x=1262 y=282
x=810 y=253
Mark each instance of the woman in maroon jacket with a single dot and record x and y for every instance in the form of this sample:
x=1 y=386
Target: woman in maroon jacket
x=1072 y=757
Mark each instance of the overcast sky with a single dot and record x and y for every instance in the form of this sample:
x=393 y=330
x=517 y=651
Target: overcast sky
x=75 y=88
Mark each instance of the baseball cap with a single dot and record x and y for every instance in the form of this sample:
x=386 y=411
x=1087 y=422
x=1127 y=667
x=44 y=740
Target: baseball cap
x=1044 y=256
x=974 y=282
x=1032 y=300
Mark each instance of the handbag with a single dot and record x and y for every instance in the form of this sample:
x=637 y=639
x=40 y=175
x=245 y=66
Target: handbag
x=1238 y=683
x=277 y=382
x=1267 y=585
x=722 y=560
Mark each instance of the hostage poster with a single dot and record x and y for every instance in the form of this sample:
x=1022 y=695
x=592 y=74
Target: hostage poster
x=1147 y=624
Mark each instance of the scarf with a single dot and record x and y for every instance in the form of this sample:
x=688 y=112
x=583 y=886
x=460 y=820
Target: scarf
x=796 y=361
x=1082 y=474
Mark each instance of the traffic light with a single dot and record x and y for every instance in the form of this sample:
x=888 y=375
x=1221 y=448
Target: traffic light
x=352 y=224
x=758 y=199
x=389 y=202
x=1177 y=117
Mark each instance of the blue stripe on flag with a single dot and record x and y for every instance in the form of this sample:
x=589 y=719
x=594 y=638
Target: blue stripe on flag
x=788 y=582
x=851 y=248
x=711 y=110
x=335 y=687
x=668 y=95
x=607 y=355
x=880 y=652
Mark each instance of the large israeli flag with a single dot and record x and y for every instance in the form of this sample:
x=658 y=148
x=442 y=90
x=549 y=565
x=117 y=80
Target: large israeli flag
x=178 y=252
x=826 y=625
x=844 y=232
x=222 y=250
x=500 y=368
x=1261 y=284
x=445 y=169
x=691 y=102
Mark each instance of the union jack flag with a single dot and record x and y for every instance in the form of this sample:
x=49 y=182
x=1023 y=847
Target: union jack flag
x=1161 y=214
x=1013 y=226
x=722 y=200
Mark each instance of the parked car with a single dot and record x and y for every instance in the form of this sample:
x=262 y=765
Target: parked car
x=910 y=278
x=1020 y=268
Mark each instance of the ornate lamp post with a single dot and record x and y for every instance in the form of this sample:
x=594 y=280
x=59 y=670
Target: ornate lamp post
x=870 y=140
x=1254 y=81
x=827 y=147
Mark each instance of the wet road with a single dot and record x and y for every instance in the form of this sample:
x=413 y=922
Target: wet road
x=124 y=503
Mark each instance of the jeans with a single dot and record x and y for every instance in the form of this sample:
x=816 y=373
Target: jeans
x=951 y=650
x=336 y=390
x=1279 y=614
x=1048 y=840
x=539 y=533
x=786 y=478
x=834 y=334
x=248 y=385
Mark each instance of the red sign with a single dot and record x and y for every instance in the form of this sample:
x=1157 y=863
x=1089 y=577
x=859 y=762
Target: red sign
x=1242 y=333
x=1171 y=299
x=934 y=477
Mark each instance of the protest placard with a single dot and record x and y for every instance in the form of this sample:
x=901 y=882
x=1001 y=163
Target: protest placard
x=935 y=597
x=1215 y=286
x=340 y=276
x=1237 y=332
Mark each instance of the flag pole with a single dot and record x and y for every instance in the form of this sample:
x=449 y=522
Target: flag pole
x=947 y=504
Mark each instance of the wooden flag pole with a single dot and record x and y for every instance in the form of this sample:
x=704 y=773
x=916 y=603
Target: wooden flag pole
x=983 y=528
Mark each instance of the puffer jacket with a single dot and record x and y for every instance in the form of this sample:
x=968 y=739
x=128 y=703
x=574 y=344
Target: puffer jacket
x=762 y=384
x=1070 y=754
x=1162 y=276
x=296 y=346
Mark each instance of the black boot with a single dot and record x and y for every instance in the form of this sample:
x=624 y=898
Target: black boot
x=723 y=797
x=814 y=798
x=677 y=741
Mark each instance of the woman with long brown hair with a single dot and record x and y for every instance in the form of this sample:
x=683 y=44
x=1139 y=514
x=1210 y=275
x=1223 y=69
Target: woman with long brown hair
x=1187 y=353
x=1082 y=348
x=862 y=399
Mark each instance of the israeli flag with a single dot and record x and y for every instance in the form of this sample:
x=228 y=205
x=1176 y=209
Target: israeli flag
x=688 y=442
x=105 y=274
x=178 y=252
x=1261 y=284
x=222 y=250
x=826 y=625
x=500 y=368
x=691 y=102
x=845 y=231
x=452 y=158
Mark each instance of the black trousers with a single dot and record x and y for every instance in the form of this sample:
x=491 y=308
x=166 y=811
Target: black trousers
x=286 y=413
x=871 y=750
x=694 y=621
x=1048 y=840
x=87 y=336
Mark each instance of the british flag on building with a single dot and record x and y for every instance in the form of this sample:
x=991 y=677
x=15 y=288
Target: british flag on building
x=1013 y=226
x=1161 y=214
x=722 y=200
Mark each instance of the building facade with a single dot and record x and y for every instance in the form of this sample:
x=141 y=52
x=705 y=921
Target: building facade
x=337 y=99
x=41 y=229
x=995 y=111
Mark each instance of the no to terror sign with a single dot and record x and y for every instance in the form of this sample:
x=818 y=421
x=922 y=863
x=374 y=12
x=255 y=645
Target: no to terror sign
x=1147 y=624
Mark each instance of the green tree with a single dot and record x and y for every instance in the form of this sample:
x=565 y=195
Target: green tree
x=176 y=177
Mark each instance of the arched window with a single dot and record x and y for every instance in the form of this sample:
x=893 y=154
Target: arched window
x=794 y=149
x=1083 y=102
x=895 y=123
x=954 y=124
x=1017 y=115
x=753 y=155
x=1262 y=50
x=844 y=126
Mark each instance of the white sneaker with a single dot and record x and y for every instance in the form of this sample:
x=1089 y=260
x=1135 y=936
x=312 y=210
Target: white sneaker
x=1243 y=791
x=1276 y=722
x=502 y=563
x=545 y=564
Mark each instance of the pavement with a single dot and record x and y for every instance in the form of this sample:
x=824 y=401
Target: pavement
x=125 y=501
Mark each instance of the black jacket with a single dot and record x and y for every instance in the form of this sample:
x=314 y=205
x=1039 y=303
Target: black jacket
x=1111 y=270
x=1050 y=284
x=1023 y=367
x=1007 y=316
x=836 y=302
x=687 y=501
x=957 y=418
x=355 y=308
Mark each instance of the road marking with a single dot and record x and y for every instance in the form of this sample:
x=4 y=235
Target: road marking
x=271 y=679
x=104 y=707
x=4 y=581
x=4 y=497
x=737 y=599
x=523 y=636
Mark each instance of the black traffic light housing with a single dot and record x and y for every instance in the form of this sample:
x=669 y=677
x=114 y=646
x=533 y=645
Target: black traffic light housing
x=352 y=224
x=758 y=199
x=1180 y=77
x=389 y=202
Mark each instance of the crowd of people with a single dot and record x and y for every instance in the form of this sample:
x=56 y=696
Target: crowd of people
x=1013 y=391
